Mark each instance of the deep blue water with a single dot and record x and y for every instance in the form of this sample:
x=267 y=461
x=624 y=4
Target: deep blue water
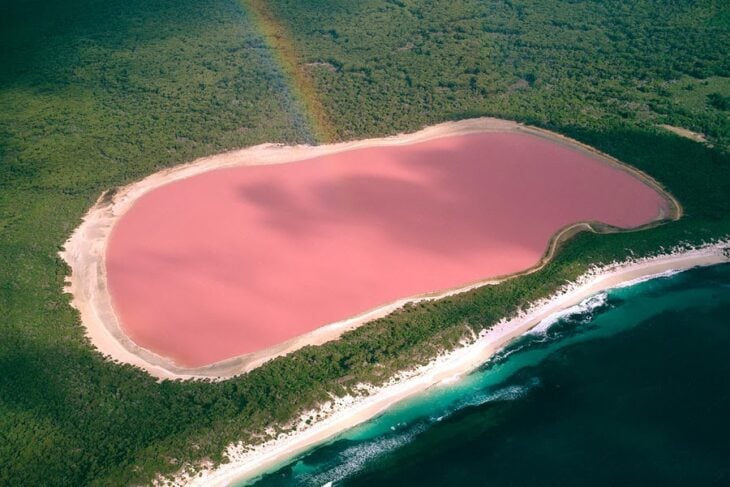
x=633 y=388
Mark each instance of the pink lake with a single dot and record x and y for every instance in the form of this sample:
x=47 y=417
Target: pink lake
x=237 y=260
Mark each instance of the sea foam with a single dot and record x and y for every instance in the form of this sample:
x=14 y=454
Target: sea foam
x=661 y=275
x=354 y=458
x=584 y=308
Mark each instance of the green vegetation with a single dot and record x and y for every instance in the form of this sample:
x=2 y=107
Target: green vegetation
x=95 y=94
x=276 y=37
x=701 y=95
x=550 y=62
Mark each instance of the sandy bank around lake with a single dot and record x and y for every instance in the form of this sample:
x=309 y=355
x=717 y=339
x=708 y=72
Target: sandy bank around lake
x=85 y=251
x=246 y=462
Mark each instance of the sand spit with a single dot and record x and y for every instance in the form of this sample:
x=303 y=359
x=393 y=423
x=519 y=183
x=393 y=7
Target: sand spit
x=246 y=462
x=86 y=249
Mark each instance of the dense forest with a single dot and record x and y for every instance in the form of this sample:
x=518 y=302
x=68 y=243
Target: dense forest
x=95 y=94
x=550 y=62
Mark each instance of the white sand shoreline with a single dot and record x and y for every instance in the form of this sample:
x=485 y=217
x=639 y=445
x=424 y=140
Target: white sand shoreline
x=86 y=248
x=247 y=463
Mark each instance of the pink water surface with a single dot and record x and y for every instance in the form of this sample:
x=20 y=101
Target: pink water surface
x=233 y=261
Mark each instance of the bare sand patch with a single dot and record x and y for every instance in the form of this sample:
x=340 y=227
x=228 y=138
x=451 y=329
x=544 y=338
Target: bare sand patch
x=687 y=134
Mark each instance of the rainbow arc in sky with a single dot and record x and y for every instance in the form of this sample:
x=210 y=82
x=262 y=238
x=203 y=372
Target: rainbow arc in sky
x=301 y=84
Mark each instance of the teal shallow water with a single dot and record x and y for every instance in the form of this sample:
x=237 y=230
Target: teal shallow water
x=631 y=388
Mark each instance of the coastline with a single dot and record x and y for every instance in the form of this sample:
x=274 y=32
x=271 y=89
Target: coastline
x=247 y=463
x=86 y=248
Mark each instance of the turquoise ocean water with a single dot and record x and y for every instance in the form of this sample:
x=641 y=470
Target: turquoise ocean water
x=631 y=388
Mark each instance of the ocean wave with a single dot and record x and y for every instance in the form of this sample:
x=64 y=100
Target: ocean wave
x=354 y=458
x=508 y=393
x=661 y=275
x=585 y=309
x=502 y=355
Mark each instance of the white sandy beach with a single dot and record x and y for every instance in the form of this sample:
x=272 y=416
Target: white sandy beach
x=248 y=462
x=86 y=249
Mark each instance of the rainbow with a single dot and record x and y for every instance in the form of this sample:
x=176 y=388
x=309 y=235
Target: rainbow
x=301 y=84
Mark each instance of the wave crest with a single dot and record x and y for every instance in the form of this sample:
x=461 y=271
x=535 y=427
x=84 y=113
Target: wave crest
x=585 y=309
